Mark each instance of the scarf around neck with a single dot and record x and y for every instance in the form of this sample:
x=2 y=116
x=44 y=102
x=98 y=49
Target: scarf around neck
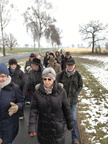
x=70 y=73
x=2 y=85
x=48 y=90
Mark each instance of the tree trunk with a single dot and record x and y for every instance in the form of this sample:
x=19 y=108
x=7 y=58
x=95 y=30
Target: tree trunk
x=3 y=43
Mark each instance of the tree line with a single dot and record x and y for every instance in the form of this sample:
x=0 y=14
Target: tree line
x=40 y=23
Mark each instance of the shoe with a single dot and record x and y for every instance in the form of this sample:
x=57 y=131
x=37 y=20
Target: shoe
x=28 y=103
x=75 y=142
x=20 y=118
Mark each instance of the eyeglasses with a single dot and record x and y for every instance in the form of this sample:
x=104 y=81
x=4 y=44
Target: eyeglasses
x=49 y=79
x=3 y=76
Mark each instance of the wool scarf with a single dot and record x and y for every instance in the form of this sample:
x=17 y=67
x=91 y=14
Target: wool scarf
x=2 y=85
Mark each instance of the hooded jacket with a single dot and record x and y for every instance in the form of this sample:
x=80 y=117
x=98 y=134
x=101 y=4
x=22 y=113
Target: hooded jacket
x=9 y=124
x=49 y=110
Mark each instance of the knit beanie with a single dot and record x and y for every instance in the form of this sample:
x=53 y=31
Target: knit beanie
x=12 y=61
x=4 y=69
x=49 y=72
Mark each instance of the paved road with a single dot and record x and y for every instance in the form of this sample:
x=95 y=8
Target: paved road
x=24 y=138
x=5 y=59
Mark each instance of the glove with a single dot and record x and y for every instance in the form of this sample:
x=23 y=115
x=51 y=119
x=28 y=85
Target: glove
x=1 y=141
x=32 y=134
x=13 y=109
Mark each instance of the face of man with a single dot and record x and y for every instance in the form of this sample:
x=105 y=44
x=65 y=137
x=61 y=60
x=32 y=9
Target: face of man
x=70 y=67
x=35 y=67
x=67 y=56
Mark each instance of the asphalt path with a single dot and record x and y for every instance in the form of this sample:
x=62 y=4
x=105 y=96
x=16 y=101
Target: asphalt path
x=23 y=136
x=6 y=58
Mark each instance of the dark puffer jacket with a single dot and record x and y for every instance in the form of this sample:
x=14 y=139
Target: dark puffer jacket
x=50 y=110
x=72 y=85
x=9 y=124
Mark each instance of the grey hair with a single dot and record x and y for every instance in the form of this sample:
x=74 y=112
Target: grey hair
x=49 y=70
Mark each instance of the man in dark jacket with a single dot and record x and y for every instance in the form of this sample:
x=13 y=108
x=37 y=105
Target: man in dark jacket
x=64 y=60
x=27 y=67
x=73 y=84
x=34 y=77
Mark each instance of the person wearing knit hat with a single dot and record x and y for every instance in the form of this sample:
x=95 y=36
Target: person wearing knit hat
x=4 y=69
x=10 y=102
x=12 y=61
x=18 y=77
x=49 y=72
x=49 y=106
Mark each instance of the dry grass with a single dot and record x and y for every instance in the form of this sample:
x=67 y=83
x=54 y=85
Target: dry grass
x=78 y=50
x=83 y=50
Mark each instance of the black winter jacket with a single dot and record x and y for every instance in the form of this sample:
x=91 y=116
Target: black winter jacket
x=9 y=124
x=34 y=78
x=18 y=77
x=72 y=85
x=49 y=110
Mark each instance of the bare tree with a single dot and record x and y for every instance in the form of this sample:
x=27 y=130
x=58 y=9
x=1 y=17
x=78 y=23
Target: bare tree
x=53 y=34
x=5 y=17
x=10 y=41
x=92 y=31
x=37 y=19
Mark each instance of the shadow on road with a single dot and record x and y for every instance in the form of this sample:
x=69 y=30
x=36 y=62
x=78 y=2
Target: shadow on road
x=23 y=136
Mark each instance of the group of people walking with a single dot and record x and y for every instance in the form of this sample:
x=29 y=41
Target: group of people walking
x=50 y=87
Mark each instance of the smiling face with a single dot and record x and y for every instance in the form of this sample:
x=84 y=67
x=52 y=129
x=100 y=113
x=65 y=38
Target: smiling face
x=48 y=82
x=3 y=78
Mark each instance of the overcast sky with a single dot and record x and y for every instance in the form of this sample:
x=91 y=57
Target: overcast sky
x=69 y=15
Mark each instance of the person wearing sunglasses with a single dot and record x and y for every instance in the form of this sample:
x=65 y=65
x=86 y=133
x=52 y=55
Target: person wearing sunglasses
x=48 y=108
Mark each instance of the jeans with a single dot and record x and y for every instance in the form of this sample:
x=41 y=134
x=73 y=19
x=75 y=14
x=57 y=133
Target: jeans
x=11 y=143
x=74 y=133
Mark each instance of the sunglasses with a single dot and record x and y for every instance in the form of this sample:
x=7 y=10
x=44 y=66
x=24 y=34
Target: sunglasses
x=49 y=79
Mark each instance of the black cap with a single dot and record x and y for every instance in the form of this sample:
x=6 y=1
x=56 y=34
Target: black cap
x=32 y=55
x=36 y=61
x=70 y=61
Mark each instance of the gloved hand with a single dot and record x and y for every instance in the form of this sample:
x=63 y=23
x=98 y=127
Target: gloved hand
x=13 y=109
x=32 y=134
x=1 y=141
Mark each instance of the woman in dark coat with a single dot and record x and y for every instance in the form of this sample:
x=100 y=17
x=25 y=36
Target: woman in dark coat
x=49 y=106
x=10 y=102
x=18 y=77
